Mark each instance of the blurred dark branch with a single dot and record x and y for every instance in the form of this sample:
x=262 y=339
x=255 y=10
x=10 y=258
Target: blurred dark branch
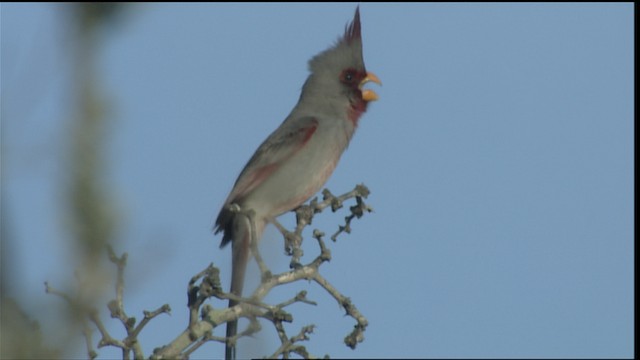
x=90 y=203
x=91 y=213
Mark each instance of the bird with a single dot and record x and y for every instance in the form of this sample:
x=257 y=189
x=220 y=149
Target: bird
x=299 y=156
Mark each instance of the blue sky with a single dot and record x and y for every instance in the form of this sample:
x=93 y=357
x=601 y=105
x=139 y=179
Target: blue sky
x=499 y=157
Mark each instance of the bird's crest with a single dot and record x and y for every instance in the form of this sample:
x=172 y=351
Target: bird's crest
x=345 y=53
x=352 y=31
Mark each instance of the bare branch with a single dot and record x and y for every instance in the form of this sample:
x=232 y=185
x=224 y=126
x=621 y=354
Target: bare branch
x=148 y=316
x=288 y=345
x=205 y=287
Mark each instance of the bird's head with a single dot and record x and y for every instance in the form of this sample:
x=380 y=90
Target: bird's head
x=339 y=74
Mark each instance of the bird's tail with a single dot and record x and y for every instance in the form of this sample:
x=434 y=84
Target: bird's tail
x=241 y=248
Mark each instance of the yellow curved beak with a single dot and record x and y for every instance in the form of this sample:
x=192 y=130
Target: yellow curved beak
x=369 y=95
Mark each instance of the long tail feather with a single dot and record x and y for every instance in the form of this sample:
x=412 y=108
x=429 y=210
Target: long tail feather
x=241 y=248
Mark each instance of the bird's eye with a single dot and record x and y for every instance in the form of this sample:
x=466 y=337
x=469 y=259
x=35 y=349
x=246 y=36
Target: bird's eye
x=349 y=76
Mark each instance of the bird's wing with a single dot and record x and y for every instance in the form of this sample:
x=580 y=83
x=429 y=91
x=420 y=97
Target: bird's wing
x=281 y=145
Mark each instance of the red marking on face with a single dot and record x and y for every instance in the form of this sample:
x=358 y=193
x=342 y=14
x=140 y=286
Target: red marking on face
x=357 y=108
x=352 y=77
